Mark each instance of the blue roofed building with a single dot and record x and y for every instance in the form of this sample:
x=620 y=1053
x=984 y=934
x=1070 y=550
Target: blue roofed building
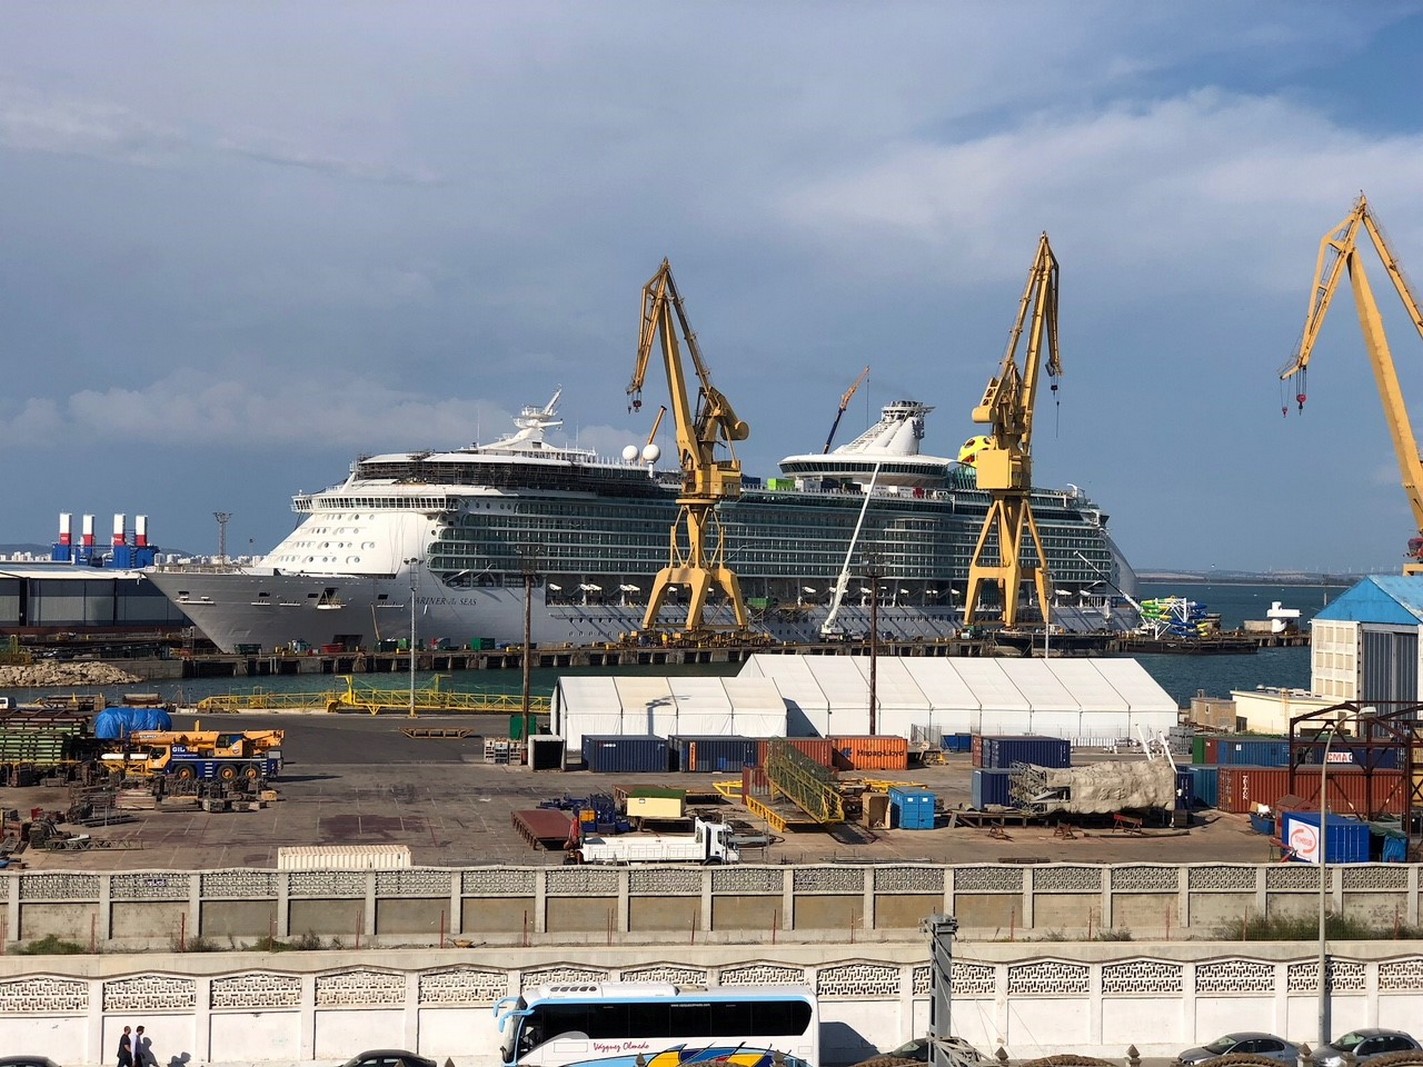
x=1364 y=645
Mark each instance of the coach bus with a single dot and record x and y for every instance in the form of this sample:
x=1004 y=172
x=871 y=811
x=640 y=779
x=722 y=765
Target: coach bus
x=658 y=1024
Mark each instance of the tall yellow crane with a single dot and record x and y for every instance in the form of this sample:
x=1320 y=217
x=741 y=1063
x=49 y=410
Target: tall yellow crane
x=698 y=559
x=1339 y=252
x=1004 y=467
x=844 y=403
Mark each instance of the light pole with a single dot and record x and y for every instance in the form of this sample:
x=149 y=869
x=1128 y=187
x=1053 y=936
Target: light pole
x=1333 y=731
x=414 y=564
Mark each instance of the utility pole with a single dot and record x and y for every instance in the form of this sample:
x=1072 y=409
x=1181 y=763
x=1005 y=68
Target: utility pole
x=414 y=564
x=528 y=558
x=873 y=571
x=223 y=518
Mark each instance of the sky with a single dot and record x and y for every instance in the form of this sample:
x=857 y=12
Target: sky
x=241 y=244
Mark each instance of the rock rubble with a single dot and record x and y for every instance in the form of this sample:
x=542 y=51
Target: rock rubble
x=66 y=673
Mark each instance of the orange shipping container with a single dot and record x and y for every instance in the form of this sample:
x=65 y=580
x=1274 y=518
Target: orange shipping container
x=754 y=782
x=1351 y=792
x=870 y=753
x=818 y=749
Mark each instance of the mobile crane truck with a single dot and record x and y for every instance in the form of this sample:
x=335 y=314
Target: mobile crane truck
x=223 y=756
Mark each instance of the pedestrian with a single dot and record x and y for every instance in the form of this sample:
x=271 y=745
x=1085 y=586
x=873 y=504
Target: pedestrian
x=125 y=1049
x=143 y=1049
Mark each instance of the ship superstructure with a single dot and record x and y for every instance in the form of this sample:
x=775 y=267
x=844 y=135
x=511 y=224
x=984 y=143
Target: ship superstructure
x=457 y=531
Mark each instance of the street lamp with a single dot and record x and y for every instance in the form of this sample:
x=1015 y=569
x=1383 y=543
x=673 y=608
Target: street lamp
x=1333 y=731
x=413 y=563
x=873 y=570
x=528 y=562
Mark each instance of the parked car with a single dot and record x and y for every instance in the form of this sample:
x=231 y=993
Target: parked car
x=1363 y=1045
x=389 y=1057
x=1245 y=1043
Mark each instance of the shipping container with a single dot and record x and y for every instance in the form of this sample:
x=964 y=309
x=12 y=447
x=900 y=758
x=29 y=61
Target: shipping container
x=1346 y=840
x=989 y=788
x=870 y=752
x=625 y=753
x=754 y=782
x=818 y=749
x=975 y=747
x=1198 y=749
x=724 y=754
x=1253 y=752
x=1351 y=791
x=1353 y=754
x=1002 y=752
x=956 y=742
x=1185 y=788
x=911 y=808
x=343 y=857
x=1212 y=752
x=1205 y=786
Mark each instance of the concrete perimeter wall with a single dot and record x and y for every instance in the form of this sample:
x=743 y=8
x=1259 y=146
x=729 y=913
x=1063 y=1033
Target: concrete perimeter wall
x=530 y=906
x=303 y=1008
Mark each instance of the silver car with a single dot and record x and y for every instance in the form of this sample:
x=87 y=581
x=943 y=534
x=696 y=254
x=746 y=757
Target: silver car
x=1244 y=1043
x=1363 y=1045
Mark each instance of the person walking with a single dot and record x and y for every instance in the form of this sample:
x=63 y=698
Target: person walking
x=125 y=1049
x=143 y=1049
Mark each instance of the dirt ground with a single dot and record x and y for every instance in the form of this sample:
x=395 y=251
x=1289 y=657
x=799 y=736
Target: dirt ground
x=359 y=780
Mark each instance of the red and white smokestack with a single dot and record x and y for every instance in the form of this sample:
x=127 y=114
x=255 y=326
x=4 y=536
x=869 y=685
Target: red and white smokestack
x=119 y=521
x=140 y=531
x=66 y=528
x=88 y=531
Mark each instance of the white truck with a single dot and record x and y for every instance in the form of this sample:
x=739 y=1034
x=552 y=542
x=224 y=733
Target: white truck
x=709 y=842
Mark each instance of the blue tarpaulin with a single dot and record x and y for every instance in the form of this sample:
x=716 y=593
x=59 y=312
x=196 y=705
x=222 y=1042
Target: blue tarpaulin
x=113 y=724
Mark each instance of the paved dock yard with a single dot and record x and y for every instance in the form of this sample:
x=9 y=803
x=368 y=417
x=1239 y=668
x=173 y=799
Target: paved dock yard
x=356 y=779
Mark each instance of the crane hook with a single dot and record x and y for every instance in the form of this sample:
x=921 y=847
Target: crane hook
x=1299 y=399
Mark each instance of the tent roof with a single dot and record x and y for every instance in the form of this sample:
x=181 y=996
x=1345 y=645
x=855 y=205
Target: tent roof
x=1086 y=684
x=1141 y=691
x=991 y=685
x=941 y=683
x=1039 y=686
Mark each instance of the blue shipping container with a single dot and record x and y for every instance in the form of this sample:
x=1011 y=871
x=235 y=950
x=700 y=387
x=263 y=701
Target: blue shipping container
x=721 y=753
x=1350 y=754
x=1347 y=840
x=1253 y=752
x=989 y=788
x=911 y=809
x=1003 y=752
x=956 y=742
x=1205 y=786
x=625 y=753
x=1185 y=788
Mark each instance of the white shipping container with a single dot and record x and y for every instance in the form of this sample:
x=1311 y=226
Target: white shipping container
x=343 y=857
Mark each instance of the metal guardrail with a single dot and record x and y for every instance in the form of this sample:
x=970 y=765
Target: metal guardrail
x=374 y=701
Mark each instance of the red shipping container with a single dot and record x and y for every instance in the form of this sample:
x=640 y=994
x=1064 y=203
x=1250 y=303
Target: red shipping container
x=976 y=747
x=818 y=749
x=871 y=753
x=1212 y=751
x=1350 y=791
x=754 y=782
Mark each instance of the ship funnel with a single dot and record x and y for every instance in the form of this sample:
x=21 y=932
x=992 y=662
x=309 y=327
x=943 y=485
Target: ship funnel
x=119 y=522
x=140 y=531
x=88 y=531
x=66 y=528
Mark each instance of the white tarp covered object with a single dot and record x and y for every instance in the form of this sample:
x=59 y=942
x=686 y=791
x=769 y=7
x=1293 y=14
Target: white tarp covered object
x=586 y=706
x=955 y=710
x=703 y=708
x=758 y=709
x=1004 y=710
x=647 y=705
x=807 y=709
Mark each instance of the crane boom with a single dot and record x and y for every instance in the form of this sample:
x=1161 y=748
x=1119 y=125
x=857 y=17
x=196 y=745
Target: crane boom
x=844 y=403
x=697 y=550
x=1004 y=468
x=1338 y=254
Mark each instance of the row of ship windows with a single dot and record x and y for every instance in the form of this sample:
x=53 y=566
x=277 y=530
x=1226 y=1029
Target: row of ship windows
x=305 y=546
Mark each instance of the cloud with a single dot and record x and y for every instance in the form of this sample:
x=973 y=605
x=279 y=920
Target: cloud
x=31 y=121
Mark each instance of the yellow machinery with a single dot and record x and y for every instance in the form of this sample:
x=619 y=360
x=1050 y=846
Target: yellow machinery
x=1338 y=252
x=211 y=742
x=699 y=560
x=1004 y=465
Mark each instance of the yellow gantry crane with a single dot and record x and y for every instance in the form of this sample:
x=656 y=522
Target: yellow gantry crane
x=1339 y=252
x=1004 y=467
x=697 y=560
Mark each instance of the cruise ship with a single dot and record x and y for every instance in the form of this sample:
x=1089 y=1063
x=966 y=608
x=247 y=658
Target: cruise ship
x=444 y=542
